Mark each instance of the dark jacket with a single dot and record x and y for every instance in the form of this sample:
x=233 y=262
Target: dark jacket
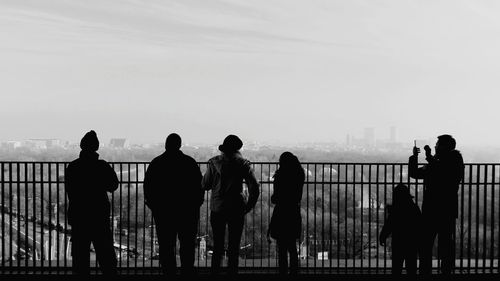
x=404 y=224
x=442 y=177
x=224 y=176
x=87 y=183
x=172 y=184
x=286 y=221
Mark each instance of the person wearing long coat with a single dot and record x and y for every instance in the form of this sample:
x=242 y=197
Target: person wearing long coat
x=286 y=221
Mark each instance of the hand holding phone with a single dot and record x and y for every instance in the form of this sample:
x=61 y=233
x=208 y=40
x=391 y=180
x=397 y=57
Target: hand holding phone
x=416 y=150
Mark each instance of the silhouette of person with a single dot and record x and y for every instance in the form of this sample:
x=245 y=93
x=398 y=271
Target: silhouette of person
x=403 y=224
x=87 y=182
x=286 y=222
x=172 y=190
x=442 y=176
x=224 y=176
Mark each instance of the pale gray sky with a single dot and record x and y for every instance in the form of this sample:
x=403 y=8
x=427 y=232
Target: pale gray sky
x=292 y=70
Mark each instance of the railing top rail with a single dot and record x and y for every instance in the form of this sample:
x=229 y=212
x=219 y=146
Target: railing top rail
x=253 y=162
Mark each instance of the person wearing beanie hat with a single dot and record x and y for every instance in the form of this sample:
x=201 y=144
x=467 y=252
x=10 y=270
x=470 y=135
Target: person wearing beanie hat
x=172 y=190
x=87 y=183
x=224 y=177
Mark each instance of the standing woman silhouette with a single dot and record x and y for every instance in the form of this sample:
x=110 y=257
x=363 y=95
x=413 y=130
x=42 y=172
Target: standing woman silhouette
x=286 y=222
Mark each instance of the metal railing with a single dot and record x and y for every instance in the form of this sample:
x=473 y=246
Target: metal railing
x=343 y=210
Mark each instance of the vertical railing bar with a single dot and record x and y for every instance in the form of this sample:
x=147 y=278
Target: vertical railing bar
x=49 y=171
x=462 y=226
x=377 y=167
x=268 y=203
x=354 y=219
x=315 y=221
x=346 y=220
x=338 y=218
x=2 y=180
x=34 y=216
x=145 y=224
x=393 y=168
x=369 y=217
x=113 y=229
x=469 y=238
x=478 y=180
x=58 y=244
x=492 y=233
x=121 y=222
x=136 y=214
x=42 y=200
x=18 y=214
x=128 y=218
x=485 y=214
x=322 y=214
x=26 y=214
x=362 y=212
x=307 y=218
x=10 y=217
x=330 y=224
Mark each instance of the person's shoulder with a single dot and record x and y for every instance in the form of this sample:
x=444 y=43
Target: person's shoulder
x=103 y=163
x=188 y=159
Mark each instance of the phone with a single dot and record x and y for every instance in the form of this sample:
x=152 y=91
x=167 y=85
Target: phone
x=415 y=143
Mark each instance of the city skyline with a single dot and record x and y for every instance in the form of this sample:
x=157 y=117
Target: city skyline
x=269 y=71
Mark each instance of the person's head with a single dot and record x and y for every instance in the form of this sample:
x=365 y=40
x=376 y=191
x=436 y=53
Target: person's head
x=400 y=194
x=173 y=142
x=445 y=143
x=288 y=160
x=89 y=142
x=231 y=144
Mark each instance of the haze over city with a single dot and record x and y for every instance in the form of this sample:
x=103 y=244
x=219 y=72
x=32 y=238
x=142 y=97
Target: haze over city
x=268 y=70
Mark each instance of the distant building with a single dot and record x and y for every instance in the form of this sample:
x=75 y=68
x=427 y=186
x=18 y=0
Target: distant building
x=12 y=144
x=119 y=143
x=43 y=143
x=369 y=137
x=392 y=134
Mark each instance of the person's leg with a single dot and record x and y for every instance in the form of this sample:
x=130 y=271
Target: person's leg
x=397 y=260
x=235 y=229
x=294 y=257
x=410 y=260
x=282 y=255
x=166 y=232
x=446 y=244
x=104 y=249
x=426 y=245
x=218 y=223
x=187 y=239
x=80 y=250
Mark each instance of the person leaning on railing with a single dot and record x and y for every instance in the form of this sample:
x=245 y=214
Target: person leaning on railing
x=224 y=176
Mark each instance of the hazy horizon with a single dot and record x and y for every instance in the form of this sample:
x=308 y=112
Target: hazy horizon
x=288 y=71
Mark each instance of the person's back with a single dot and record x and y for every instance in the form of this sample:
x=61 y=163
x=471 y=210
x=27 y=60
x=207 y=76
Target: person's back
x=87 y=181
x=225 y=175
x=172 y=190
x=173 y=184
x=229 y=172
x=403 y=223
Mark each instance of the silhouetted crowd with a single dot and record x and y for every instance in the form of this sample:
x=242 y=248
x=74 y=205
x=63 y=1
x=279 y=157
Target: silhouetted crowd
x=174 y=189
